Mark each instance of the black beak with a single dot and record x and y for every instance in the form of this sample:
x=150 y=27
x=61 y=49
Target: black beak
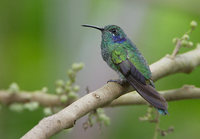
x=91 y=26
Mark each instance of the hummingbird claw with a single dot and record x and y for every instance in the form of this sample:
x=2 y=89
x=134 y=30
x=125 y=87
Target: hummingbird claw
x=119 y=81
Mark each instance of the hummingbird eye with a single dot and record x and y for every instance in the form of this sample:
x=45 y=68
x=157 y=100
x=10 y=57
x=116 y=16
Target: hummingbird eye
x=113 y=30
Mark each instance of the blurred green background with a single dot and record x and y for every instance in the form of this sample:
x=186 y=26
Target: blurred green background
x=39 y=40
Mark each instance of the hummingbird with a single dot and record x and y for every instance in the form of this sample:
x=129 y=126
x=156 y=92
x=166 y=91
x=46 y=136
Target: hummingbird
x=122 y=55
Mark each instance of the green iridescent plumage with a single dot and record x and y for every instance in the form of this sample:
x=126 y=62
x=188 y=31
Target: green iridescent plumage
x=123 y=56
x=125 y=51
x=126 y=48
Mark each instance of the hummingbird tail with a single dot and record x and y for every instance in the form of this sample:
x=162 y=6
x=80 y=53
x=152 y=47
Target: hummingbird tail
x=163 y=112
x=149 y=94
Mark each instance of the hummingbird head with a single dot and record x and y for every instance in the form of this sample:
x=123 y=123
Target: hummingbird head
x=111 y=33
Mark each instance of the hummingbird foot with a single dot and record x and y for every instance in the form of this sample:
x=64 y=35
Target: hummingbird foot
x=119 y=81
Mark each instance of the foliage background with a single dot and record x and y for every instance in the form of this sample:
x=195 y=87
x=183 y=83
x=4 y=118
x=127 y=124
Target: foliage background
x=39 y=40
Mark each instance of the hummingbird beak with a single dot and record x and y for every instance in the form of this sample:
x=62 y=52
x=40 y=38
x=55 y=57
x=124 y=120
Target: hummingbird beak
x=91 y=26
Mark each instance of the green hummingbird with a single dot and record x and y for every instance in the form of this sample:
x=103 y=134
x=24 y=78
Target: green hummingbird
x=123 y=56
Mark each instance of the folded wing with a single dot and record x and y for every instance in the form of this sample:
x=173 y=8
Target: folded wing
x=138 y=81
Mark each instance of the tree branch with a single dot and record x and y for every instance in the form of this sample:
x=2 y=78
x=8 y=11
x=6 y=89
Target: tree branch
x=103 y=96
x=133 y=98
x=44 y=99
x=181 y=63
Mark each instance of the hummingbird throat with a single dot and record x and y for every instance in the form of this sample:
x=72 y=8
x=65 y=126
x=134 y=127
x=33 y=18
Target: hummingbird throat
x=118 y=39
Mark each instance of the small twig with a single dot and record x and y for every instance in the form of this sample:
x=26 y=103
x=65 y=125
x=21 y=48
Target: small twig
x=157 y=122
x=167 y=131
x=177 y=48
x=183 y=41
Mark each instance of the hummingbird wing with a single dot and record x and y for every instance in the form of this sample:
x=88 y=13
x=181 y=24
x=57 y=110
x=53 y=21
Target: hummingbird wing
x=137 y=80
x=135 y=57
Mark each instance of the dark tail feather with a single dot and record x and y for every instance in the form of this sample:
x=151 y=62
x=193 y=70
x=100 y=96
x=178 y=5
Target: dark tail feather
x=149 y=94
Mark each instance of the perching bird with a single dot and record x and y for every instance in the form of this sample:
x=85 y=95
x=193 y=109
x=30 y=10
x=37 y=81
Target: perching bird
x=123 y=56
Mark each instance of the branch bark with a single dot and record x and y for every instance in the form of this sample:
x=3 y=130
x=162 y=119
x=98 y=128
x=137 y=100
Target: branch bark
x=103 y=96
x=133 y=98
x=43 y=99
